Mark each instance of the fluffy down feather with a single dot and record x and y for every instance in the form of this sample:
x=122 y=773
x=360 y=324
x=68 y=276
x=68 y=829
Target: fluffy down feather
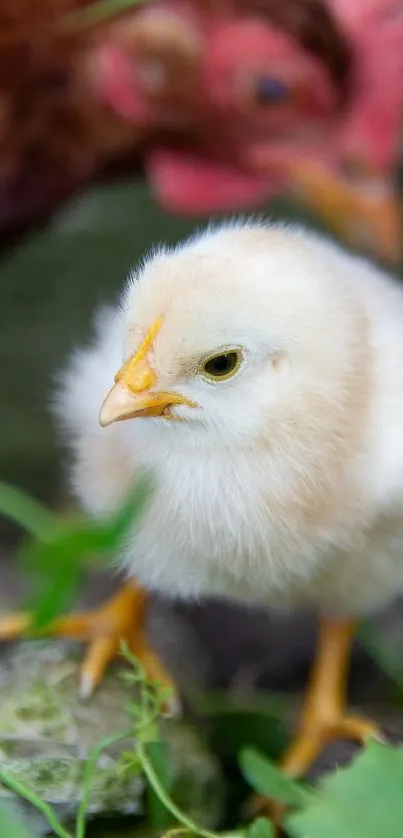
x=285 y=485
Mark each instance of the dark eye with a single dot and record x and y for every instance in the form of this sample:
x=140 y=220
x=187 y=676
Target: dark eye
x=270 y=91
x=223 y=365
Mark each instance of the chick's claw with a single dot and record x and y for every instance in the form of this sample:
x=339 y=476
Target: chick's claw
x=98 y=656
x=308 y=746
x=324 y=717
x=305 y=750
x=121 y=619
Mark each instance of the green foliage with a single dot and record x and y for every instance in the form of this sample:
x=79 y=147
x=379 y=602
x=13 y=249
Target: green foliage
x=363 y=800
x=157 y=813
x=235 y=721
x=267 y=780
x=11 y=826
x=62 y=550
x=261 y=828
x=25 y=793
x=57 y=555
x=27 y=512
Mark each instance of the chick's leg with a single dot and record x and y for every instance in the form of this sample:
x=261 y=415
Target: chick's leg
x=121 y=618
x=324 y=716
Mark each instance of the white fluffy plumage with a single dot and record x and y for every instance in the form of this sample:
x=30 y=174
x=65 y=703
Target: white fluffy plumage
x=285 y=485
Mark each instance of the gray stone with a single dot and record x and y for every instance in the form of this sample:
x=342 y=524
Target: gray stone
x=47 y=732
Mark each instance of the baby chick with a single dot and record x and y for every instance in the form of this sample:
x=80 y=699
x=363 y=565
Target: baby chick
x=262 y=365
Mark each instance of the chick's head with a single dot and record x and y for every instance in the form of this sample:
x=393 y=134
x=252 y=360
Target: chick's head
x=236 y=332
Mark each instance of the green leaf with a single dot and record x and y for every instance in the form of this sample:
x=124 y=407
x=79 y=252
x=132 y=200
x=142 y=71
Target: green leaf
x=27 y=512
x=57 y=570
x=158 y=815
x=364 y=800
x=56 y=597
x=261 y=828
x=58 y=564
x=265 y=778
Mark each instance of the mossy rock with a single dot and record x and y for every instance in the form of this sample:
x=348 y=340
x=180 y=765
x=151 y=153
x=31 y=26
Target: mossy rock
x=47 y=732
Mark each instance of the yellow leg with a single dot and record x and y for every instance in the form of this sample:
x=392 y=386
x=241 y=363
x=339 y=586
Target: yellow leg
x=120 y=618
x=324 y=716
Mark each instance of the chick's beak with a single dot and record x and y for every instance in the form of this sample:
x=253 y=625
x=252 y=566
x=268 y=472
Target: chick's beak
x=134 y=395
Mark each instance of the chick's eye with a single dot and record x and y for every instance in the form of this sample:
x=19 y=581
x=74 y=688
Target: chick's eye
x=222 y=366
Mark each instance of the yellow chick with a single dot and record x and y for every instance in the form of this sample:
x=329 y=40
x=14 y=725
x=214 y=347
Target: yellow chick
x=259 y=371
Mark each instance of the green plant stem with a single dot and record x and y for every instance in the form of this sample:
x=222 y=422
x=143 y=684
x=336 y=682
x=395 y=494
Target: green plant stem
x=88 y=774
x=165 y=798
x=35 y=801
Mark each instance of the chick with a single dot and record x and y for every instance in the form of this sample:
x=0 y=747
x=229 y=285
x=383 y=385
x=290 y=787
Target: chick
x=262 y=365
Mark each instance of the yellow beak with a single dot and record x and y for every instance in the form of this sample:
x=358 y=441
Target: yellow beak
x=133 y=396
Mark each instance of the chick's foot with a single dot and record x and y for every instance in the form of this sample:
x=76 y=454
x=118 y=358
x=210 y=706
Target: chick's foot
x=121 y=618
x=324 y=717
